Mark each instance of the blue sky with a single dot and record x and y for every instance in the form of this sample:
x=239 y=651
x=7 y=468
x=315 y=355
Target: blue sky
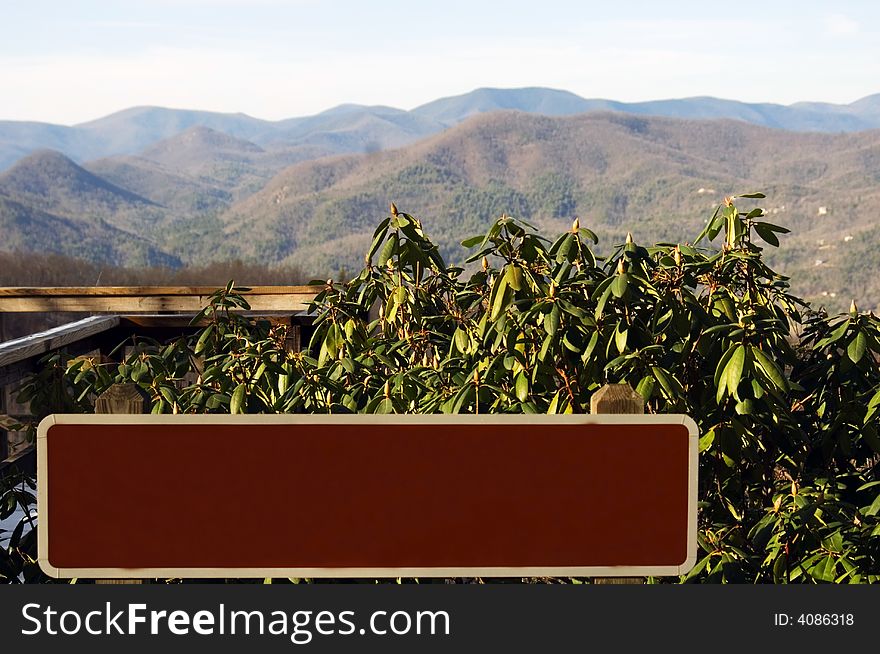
x=70 y=61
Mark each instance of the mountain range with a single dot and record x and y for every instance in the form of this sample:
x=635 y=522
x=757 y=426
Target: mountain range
x=358 y=128
x=164 y=187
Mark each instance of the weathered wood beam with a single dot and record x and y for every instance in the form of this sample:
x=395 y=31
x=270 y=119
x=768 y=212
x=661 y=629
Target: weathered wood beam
x=112 y=291
x=21 y=349
x=147 y=299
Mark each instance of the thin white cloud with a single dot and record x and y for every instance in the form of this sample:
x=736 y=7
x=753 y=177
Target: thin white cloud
x=841 y=25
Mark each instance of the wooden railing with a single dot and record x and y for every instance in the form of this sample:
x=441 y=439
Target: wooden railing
x=146 y=299
x=159 y=312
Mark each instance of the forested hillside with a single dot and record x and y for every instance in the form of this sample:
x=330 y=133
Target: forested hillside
x=204 y=195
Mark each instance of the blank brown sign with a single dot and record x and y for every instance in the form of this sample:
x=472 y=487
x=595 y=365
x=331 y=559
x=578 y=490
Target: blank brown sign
x=345 y=496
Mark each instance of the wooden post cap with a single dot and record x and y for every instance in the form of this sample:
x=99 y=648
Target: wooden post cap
x=616 y=398
x=122 y=398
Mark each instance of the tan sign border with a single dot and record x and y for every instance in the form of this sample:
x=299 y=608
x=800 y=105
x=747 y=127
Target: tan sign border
x=312 y=419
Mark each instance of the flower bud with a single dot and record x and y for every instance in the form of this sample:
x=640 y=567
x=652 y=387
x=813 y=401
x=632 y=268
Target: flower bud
x=393 y=209
x=575 y=226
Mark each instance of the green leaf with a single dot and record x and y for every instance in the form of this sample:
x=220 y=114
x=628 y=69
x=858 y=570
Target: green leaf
x=753 y=196
x=558 y=404
x=620 y=284
x=591 y=346
x=589 y=234
x=551 y=320
x=706 y=440
x=603 y=298
x=767 y=234
x=770 y=369
x=545 y=348
x=824 y=570
x=379 y=235
x=568 y=343
x=620 y=336
x=462 y=340
x=168 y=394
x=776 y=228
x=722 y=364
x=564 y=248
x=463 y=398
x=390 y=308
x=501 y=293
x=735 y=369
x=874 y=509
x=203 y=339
x=235 y=403
x=732 y=374
x=715 y=225
x=745 y=407
x=672 y=389
x=388 y=250
x=856 y=348
x=717 y=328
x=472 y=241
x=834 y=543
x=836 y=335
x=385 y=406
x=522 y=387
x=514 y=277
x=645 y=387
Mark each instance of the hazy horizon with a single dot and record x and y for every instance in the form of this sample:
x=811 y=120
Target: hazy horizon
x=462 y=93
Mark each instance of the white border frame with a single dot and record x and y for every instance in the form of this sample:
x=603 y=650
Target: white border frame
x=348 y=419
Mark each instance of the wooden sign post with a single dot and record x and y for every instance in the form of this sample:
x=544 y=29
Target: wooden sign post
x=121 y=399
x=145 y=496
x=617 y=399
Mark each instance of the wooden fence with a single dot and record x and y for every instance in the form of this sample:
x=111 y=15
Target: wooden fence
x=122 y=312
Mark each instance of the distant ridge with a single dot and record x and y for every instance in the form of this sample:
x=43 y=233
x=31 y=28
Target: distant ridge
x=46 y=176
x=533 y=100
x=860 y=115
x=350 y=128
